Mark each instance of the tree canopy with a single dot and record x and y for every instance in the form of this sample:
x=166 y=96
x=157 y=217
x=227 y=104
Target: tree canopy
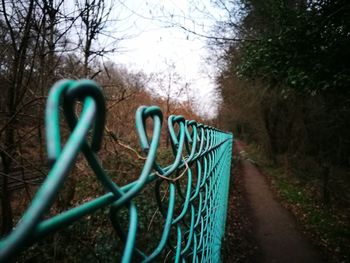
x=302 y=45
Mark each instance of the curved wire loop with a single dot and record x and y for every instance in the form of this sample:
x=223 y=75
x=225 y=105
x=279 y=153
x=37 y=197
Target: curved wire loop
x=197 y=179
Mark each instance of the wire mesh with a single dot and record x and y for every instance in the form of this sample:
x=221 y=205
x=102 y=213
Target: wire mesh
x=202 y=154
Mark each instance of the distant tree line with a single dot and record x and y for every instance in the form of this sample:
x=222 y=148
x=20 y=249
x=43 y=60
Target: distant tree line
x=285 y=82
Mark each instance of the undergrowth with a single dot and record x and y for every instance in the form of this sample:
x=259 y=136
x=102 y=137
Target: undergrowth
x=328 y=226
x=93 y=238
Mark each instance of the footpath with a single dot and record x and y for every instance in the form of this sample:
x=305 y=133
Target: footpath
x=274 y=229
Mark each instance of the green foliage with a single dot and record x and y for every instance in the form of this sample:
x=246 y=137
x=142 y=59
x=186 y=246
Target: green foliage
x=286 y=88
x=295 y=56
x=305 y=48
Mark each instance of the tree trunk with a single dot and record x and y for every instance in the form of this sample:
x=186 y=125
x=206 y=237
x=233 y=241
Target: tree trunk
x=6 y=208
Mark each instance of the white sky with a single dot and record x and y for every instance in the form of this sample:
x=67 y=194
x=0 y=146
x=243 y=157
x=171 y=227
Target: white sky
x=154 y=42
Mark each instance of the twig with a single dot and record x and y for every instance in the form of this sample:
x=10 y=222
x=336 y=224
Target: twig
x=167 y=255
x=115 y=138
x=173 y=180
x=18 y=111
x=27 y=161
x=155 y=212
x=18 y=179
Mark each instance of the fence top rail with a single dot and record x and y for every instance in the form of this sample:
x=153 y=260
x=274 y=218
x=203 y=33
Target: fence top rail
x=192 y=144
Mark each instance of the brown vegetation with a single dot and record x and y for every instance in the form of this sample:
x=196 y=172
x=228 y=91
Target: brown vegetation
x=38 y=47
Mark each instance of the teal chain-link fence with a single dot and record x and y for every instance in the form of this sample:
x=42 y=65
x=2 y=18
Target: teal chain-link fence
x=202 y=154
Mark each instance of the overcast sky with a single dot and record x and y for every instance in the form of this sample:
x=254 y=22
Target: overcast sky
x=156 y=40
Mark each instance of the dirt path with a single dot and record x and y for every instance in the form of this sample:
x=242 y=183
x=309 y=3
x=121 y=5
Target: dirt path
x=275 y=230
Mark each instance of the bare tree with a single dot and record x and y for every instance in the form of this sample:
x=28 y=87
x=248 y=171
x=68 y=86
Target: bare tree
x=94 y=15
x=18 y=21
x=30 y=34
x=169 y=86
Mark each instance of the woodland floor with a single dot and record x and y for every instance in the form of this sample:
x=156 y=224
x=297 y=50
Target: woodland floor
x=258 y=228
